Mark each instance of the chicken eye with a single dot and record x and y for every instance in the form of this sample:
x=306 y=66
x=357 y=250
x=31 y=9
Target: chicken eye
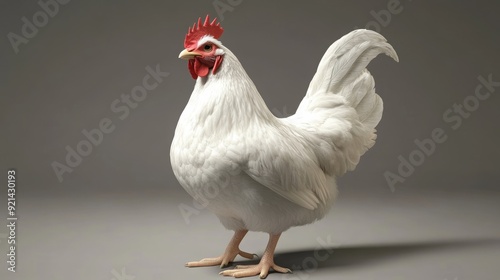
x=207 y=48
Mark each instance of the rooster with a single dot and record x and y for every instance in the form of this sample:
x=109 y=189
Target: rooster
x=255 y=171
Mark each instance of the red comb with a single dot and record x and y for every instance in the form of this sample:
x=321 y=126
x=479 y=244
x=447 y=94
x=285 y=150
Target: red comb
x=197 y=31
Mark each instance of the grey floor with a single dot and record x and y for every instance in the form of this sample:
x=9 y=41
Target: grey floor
x=401 y=235
x=116 y=215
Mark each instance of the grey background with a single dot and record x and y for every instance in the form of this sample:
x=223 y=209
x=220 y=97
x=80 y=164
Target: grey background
x=119 y=207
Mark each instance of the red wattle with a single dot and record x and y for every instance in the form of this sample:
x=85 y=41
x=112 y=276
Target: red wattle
x=200 y=68
x=191 y=69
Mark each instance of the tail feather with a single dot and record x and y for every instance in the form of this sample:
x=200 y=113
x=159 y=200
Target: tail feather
x=341 y=106
x=342 y=71
x=363 y=98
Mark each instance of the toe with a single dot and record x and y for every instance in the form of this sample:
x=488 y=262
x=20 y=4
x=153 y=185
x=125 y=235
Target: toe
x=264 y=271
x=247 y=255
x=261 y=269
x=245 y=266
x=245 y=271
x=281 y=269
x=204 y=262
x=228 y=272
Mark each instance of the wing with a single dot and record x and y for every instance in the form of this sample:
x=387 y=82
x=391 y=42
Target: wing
x=334 y=125
x=284 y=160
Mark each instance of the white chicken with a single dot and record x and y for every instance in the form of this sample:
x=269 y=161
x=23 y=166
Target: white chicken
x=257 y=172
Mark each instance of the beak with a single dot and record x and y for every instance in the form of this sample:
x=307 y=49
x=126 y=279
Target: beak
x=185 y=54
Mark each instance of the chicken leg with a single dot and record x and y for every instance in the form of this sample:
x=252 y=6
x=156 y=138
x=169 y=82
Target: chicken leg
x=265 y=264
x=229 y=255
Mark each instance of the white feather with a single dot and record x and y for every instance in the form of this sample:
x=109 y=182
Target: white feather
x=261 y=173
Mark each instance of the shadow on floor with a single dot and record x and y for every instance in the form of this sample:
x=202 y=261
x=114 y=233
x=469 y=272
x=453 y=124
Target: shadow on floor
x=369 y=254
x=359 y=255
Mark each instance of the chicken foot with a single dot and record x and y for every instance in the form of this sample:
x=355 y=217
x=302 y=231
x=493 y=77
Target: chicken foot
x=263 y=267
x=229 y=255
